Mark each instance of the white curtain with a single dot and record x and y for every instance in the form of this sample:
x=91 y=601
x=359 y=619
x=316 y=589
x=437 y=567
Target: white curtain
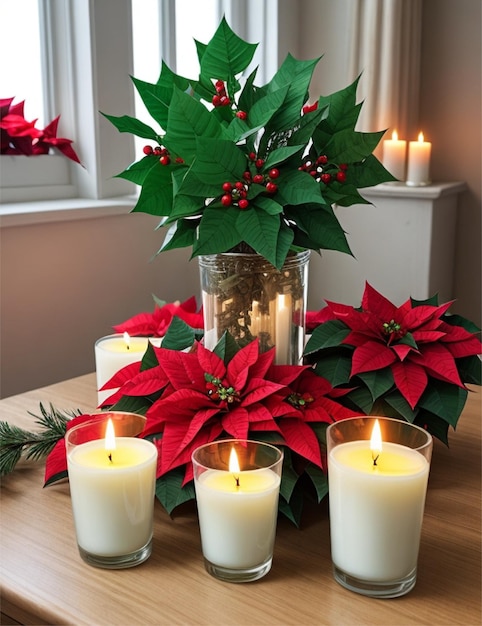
x=385 y=50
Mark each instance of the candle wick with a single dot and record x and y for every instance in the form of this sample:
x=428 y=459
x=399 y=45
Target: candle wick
x=375 y=459
x=128 y=347
x=236 y=478
x=110 y=456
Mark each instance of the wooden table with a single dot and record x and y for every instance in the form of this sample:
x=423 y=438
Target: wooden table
x=44 y=581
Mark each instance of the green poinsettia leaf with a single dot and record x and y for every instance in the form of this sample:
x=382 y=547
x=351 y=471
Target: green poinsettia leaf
x=157 y=98
x=395 y=400
x=279 y=155
x=327 y=335
x=361 y=399
x=226 y=55
x=444 y=400
x=128 y=124
x=289 y=477
x=334 y=367
x=319 y=480
x=377 y=381
x=156 y=193
x=179 y=335
x=347 y=146
x=188 y=121
x=263 y=109
x=457 y=320
x=435 y=425
x=171 y=493
x=319 y=228
x=343 y=114
x=133 y=404
x=149 y=359
x=218 y=161
x=181 y=234
x=260 y=231
x=470 y=369
x=217 y=231
x=368 y=173
x=297 y=187
x=226 y=348
x=138 y=171
x=56 y=478
x=294 y=508
x=297 y=76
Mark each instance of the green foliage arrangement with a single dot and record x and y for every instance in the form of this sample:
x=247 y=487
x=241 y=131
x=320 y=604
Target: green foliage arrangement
x=240 y=167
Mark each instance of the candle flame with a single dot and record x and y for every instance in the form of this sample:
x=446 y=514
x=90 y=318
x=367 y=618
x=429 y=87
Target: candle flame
x=127 y=340
x=394 y=135
x=233 y=462
x=110 y=437
x=420 y=137
x=376 y=442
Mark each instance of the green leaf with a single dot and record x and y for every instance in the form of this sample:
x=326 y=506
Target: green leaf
x=335 y=368
x=320 y=228
x=128 y=124
x=470 y=369
x=444 y=400
x=179 y=335
x=297 y=188
x=138 y=171
x=368 y=173
x=282 y=154
x=149 y=360
x=226 y=347
x=225 y=55
x=133 y=404
x=260 y=231
x=348 y=146
x=157 y=97
x=436 y=426
x=319 y=480
x=378 y=381
x=180 y=235
x=327 y=335
x=156 y=193
x=294 y=508
x=401 y=406
x=218 y=161
x=188 y=120
x=289 y=477
x=170 y=492
x=265 y=107
x=217 y=231
x=343 y=113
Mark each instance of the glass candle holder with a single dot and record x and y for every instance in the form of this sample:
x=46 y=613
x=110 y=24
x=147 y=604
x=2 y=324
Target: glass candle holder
x=112 y=486
x=237 y=488
x=377 y=498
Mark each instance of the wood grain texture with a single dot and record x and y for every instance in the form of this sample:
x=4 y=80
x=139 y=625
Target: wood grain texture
x=44 y=581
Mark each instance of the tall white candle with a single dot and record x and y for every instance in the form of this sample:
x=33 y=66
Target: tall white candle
x=237 y=523
x=112 y=353
x=394 y=156
x=376 y=511
x=113 y=498
x=419 y=162
x=283 y=328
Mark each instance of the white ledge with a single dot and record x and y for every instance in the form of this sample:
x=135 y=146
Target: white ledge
x=425 y=192
x=27 y=213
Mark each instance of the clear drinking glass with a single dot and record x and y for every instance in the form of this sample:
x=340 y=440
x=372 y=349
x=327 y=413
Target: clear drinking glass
x=377 y=499
x=237 y=507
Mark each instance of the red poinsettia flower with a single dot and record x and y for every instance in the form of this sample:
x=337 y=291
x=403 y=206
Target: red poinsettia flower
x=156 y=324
x=412 y=340
x=18 y=136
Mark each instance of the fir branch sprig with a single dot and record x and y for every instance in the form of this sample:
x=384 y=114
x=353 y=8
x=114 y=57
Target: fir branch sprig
x=34 y=445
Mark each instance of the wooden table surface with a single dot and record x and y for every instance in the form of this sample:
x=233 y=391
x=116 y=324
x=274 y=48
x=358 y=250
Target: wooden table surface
x=44 y=581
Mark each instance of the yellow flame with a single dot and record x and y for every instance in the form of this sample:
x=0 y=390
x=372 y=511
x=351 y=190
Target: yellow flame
x=395 y=135
x=376 y=441
x=110 y=436
x=420 y=137
x=233 y=462
x=127 y=340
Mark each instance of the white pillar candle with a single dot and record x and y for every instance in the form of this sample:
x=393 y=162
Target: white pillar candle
x=376 y=511
x=237 y=523
x=283 y=328
x=394 y=156
x=112 y=353
x=419 y=162
x=113 y=496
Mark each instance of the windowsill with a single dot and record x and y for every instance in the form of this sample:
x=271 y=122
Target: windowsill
x=27 y=213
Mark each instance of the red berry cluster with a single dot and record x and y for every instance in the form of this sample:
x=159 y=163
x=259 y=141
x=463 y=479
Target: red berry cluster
x=220 y=98
x=318 y=169
x=236 y=193
x=162 y=153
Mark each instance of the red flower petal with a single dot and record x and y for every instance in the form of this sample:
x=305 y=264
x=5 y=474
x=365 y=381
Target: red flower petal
x=301 y=439
x=371 y=356
x=411 y=380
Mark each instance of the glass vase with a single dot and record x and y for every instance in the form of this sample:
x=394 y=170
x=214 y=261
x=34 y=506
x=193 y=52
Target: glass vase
x=248 y=297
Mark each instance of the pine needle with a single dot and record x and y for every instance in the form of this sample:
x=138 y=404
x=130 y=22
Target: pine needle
x=16 y=442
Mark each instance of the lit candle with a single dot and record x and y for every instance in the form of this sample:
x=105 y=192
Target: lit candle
x=394 y=155
x=112 y=485
x=237 y=509
x=377 y=496
x=419 y=162
x=112 y=353
x=283 y=328
x=255 y=326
